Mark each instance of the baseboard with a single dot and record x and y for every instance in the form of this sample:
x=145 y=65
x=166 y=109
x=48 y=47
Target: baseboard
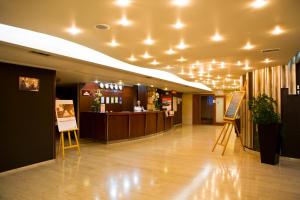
x=13 y=171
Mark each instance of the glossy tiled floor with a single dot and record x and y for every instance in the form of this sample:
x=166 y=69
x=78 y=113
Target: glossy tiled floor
x=177 y=165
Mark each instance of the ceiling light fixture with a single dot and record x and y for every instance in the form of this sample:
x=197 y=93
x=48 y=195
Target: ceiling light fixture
x=181 y=59
x=213 y=61
x=169 y=67
x=123 y=3
x=198 y=63
x=181 y=3
x=146 y=55
x=181 y=45
x=248 y=46
x=238 y=63
x=217 y=37
x=267 y=60
x=124 y=21
x=73 y=30
x=132 y=58
x=258 y=4
x=149 y=41
x=113 y=43
x=154 y=62
x=222 y=65
x=277 y=31
x=178 y=24
x=170 y=51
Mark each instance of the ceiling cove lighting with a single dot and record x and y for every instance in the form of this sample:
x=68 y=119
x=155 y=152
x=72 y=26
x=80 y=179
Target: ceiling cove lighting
x=123 y=3
x=73 y=30
x=113 y=43
x=277 y=31
x=178 y=24
x=51 y=44
x=217 y=37
x=170 y=51
x=124 y=21
x=257 y=4
x=180 y=3
x=248 y=46
x=132 y=58
x=149 y=41
x=146 y=55
x=181 y=45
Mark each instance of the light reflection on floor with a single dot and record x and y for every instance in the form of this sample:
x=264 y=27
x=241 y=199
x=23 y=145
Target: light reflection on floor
x=177 y=165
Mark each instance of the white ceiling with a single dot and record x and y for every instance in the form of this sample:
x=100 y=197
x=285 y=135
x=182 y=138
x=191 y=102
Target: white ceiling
x=235 y=20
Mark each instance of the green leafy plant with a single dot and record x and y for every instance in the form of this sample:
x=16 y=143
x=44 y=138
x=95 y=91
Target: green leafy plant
x=262 y=108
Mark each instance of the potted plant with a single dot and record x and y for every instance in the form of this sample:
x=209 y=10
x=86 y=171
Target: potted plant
x=268 y=126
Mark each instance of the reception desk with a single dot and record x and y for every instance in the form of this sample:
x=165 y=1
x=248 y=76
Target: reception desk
x=116 y=126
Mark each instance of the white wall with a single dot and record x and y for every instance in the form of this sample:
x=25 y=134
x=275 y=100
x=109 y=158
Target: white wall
x=187 y=109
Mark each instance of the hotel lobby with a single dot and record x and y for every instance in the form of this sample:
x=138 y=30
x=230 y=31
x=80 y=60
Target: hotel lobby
x=148 y=99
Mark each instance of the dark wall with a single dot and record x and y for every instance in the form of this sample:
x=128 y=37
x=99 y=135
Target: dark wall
x=27 y=118
x=142 y=95
x=290 y=117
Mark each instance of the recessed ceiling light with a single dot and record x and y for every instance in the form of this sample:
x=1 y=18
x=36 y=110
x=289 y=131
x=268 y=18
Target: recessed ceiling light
x=180 y=3
x=138 y=84
x=132 y=58
x=113 y=43
x=222 y=65
x=209 y=67
x=181 y=45
x=169 y=67
x=198 y=63
x=124 y=21
x=248 y=46
x=73 y=30
x=267 y=60
x=170 y=51
x=149 y=41
x=193 y=66
x=218 y=77
x=258 y=4
x=154 y=62
x=181 y=59
x=277 y=31
x=239 y=63
x=178 y=24
x=217 y=37
x=151 y=85
x=146 y=55
x=213 y=61
x=182 y=72
x=166 y=88
x=123 y=3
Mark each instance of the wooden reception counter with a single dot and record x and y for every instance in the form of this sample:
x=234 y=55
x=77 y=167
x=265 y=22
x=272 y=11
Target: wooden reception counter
x=114 y=126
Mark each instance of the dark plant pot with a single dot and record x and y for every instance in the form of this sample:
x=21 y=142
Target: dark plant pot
x=269 y=142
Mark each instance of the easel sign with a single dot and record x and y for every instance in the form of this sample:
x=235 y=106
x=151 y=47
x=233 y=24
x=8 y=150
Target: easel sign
x=229 y=119
x=65 y=115
x=66 y=121
x=235 y=102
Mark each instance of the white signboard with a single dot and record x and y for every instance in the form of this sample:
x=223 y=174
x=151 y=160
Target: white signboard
x=65 y=115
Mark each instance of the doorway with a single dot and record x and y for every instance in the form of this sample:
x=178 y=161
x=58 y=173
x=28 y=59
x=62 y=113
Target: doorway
x=203 y=109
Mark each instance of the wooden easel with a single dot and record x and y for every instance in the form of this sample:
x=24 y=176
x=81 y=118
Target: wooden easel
x=62 y=146
x=229 y=119
x=225 y=135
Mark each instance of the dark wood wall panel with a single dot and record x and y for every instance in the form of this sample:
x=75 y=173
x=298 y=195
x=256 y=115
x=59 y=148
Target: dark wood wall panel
x=151 y=125
x=137 y=125
x=27 y=118
x=160 y=121
x=118 y=126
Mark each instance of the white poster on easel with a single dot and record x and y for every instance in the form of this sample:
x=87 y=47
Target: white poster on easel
x=65 y=115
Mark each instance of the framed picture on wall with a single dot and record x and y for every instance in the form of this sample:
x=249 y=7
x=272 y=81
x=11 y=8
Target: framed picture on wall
x=102 y=100
x=116 y=99
x=107 y=100
x=112 y=100
x=120 y=100
x=29 y=84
